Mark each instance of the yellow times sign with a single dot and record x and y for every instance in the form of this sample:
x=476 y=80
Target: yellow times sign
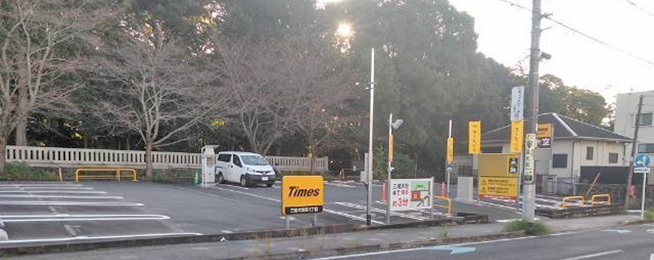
x=498 y=187
x=517 y=136
x=544 y=130
x=302 y=194
x=474 y=136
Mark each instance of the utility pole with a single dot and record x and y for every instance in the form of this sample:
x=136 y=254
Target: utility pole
x=528 y=187
x=371 y=155
x=634 y=146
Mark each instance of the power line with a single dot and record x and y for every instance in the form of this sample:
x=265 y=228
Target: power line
x=637 y=6
x=546 y=16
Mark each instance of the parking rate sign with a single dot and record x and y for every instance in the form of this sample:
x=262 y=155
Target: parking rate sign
x=411 y=194
x=302 y=194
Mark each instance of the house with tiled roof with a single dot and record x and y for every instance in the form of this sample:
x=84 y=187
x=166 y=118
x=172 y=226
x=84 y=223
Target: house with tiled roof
x=579 y=152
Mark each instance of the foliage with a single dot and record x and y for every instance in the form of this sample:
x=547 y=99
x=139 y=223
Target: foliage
x=23 y=172
x=649 y=214
x=581 y=104
x=530 y=228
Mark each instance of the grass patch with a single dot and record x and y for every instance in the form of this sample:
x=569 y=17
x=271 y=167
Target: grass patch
x=530 y=228
x=174 y=176
x=23 y=172
x=649 y=215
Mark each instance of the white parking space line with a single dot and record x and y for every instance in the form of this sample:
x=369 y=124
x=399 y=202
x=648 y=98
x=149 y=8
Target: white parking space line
x=339 y=185
x=47 y=188
x=41 y=185
x=343 y=214
x=377 y=210
x=70 y=203
x=81 y=216
x=54 y=191
x=73 y=219
x=594 y=255
x=79 y=238
x=238 y=187
x=61 y=197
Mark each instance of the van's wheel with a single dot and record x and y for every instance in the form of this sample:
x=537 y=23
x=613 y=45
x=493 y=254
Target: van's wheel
x=244 y=181
x=269 y=185
x=220 y=179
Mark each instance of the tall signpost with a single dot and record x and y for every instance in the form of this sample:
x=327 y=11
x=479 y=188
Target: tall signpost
x=371 y=155
x=450 y=157
x=642 y=164
x=516 y=144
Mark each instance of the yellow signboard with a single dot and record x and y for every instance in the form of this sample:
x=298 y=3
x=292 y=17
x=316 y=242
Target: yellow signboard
x=474 y=137
x=498 y=165
x=450 y=150
x=517 y=136
x=498 y=187
x=544 y=130
x=302 y=194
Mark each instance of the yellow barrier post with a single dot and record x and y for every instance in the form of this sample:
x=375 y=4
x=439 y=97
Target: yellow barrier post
x=449 y=203
x=594 y=198
x=564 y=202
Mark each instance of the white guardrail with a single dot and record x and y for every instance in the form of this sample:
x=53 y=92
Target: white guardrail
x=78 y=157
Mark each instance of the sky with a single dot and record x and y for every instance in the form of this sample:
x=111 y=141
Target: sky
x=504 y=35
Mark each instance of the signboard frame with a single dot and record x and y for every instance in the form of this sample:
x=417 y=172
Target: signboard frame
x=411 y=194
x=298 y=194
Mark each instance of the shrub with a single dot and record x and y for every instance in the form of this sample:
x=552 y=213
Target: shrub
x=649 y=214
x=23 y=172
x=530 y=228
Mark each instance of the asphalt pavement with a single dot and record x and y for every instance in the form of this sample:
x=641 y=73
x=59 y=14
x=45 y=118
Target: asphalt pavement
x=625 y=243
x=58 y=212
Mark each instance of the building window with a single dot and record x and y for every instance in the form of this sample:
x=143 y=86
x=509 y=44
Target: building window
x=560 y=161
x=589 y=152
x=646 y=148
x=613 y=158
x=645 y=119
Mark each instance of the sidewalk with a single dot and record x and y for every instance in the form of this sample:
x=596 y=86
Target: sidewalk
x=342 y=243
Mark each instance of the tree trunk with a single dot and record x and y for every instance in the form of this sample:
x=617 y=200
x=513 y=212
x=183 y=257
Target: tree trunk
x=21 y=128
x=3 y=155
x=148 y=161
x=312 y=150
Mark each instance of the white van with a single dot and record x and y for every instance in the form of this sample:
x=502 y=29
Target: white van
x=244 y=168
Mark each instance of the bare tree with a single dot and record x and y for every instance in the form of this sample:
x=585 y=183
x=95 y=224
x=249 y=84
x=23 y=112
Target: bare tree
x=256 y=76
x=156 y=91
x=33 y=34
x=325 y=88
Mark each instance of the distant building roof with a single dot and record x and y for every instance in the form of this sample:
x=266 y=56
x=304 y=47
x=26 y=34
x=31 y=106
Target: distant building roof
x=565 y=128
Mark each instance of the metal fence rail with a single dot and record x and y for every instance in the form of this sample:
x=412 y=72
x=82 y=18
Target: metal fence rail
x=77 y=157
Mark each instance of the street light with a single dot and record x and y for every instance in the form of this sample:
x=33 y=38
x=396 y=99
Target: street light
x=391 y=125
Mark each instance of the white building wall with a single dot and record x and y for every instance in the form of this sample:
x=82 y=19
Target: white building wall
x=625 y=117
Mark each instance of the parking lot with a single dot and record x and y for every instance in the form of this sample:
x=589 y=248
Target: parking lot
x=56 y=212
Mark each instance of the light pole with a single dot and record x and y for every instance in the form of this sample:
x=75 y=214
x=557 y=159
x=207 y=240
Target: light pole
x=370 y=152
x=391 y=125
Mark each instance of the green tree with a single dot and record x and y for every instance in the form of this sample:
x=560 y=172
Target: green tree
x=581 y=104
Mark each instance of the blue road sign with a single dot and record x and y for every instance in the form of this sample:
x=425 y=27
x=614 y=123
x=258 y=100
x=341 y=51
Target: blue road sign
x=643 y=160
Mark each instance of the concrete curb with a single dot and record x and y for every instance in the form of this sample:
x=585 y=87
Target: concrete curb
x=46 y=248
x=381 y=247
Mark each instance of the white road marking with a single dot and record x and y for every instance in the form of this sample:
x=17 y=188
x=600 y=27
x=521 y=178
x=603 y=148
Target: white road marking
x=278 y=201
x=71 y=218
x=65 y=239
x=70 y=203
x=510 y=220
x=238 y=187
x=339 y=185
x=357 y=206
x=62 y=197
x=47 y=188
x=594 y=255
x=651 y=257
x=55 y=191
x=226 y=231
x=41 y=185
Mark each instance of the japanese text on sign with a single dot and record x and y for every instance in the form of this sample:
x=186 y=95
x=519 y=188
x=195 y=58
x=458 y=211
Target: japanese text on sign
x=474 y=134
x=411 y=194
x=517 y=136
x=498 y=187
